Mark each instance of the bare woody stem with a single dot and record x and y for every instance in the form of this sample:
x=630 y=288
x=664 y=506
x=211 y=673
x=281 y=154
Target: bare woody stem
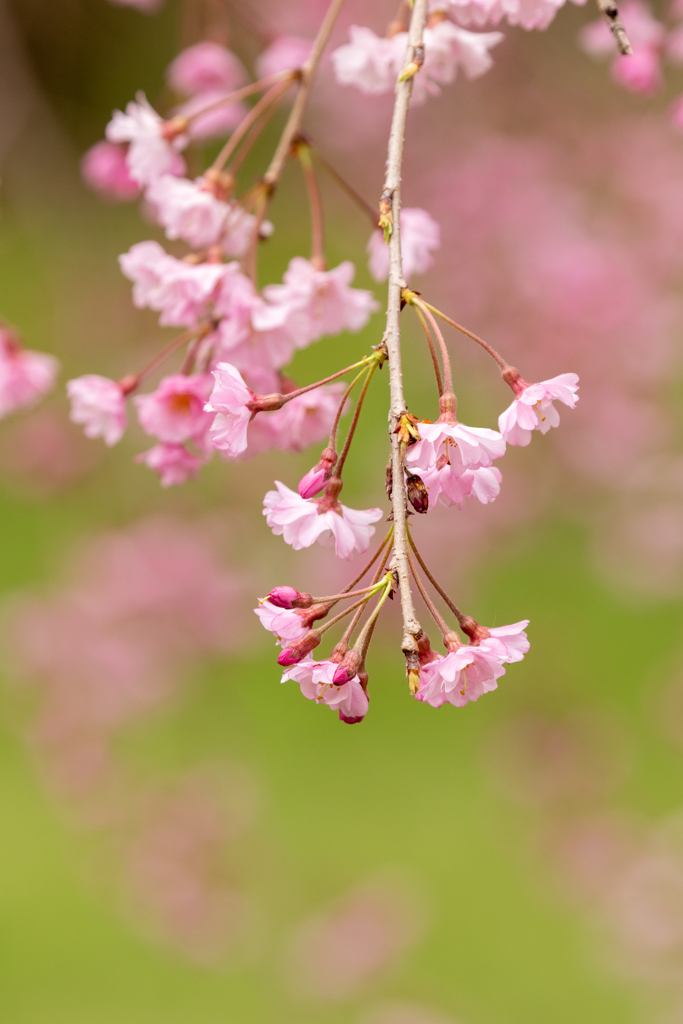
x=609 y=9
x=435 y=361
x=456 y=611
x=332 y=443
x=392 y=336
x=319 y=383
x=354 y=423
x=463 y=330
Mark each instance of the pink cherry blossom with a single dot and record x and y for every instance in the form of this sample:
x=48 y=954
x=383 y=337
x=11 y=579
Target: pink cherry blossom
x=287 y=624
x=187 y=210
x=203 y=67
x=215 y=123
x=420 y=236
x=149 y=154
x=641 y=71
x=104 y=168
x=450 y=485
x=229 y=400
x=315 y=680
x=285 y=597
x=286 y=53
x=303 y=521
x=512 y=638
x=320 y=302
x=530 y=14
x=180 y=291
x=99 y=405
x=367 y=61
x=25 y=376
x=461 y=448
x=173 y=462
x=312 y=483
x=533 y=408
x=461 y=676
x=175 y=411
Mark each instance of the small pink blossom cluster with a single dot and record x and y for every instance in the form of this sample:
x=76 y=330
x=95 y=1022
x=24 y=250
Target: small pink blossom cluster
x=25 y=376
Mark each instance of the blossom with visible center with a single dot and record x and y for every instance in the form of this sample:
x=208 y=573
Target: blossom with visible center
x=187 y=210
x=180 y=291
x=303 y=521
x=320 y=302
x=530 y=14
x=285 y=623
x=315 y=680
x=99 y=404
x=286 y=53
x=150 y=154
x=203 y=67
x=447 y=451
x=173 y=462
x=175 y=411
x=104 y=168
x=25 y=376
x=420 y=236
x=533 y=407
x=229 y=400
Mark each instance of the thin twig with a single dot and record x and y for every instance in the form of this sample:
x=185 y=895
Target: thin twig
x=346 y=187
x=435 y=361
x=609 y=9
x=392 y=336
x=315 y=206
x=463 y=330
x=272 y=96
x=456 y=611
x=354 y=422
x=431 y=607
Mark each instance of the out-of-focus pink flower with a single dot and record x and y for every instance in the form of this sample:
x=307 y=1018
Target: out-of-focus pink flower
x=373 y=64
x=530 y=14
x=104 y=168
x=187 y=210
x=204 y=67
x=533 y=408
x=174 y=464
x=315 y=680
x=215 y=123
x=320 y=302
x=178 y=290
x=25 y=376
x=420 y=236
x=301 y=522
x=287 y=53
x=175 y=411
x=286 y=624
x=149 y=154
x=639 y=72
x=229 y=400
x=99 y=404
x=145 y=6
x=305 y=420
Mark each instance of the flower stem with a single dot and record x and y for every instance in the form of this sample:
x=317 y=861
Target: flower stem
x=440 y=621
x=357 y=617
x=332 y=443
x=247 y=90
x=342 y=615
x=366 y=632
x=448 y=377
x=345 y=594
x=435 y=361
x=275 y=93
x=456 y=611
x=326 y=380
x=354 y=423
x=303 y=152
x=348 y=188
x=463 y=330
x=136 y=379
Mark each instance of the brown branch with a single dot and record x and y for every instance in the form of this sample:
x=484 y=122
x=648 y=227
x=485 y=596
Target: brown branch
x=611 y=13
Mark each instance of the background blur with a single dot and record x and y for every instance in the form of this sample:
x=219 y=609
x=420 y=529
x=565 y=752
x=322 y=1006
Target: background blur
x=183 y=839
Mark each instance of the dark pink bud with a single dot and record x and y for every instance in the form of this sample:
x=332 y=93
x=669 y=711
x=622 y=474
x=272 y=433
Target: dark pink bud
x=266 y=403
x=295 y=652
x=350 y=721
x=473 y=630
x=424 y=650
x=288 y=597
x=314 y=481
x=348 y=668
x=363 y=680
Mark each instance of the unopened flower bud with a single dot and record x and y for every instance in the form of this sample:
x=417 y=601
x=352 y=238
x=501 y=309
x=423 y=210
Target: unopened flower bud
x=473 y=630
x=424 y=650
x=314 y=612
x=348 y=668
x=266 y=403
x=314 y=481
x=417 y=493
x=298 y=650
x=288 y=597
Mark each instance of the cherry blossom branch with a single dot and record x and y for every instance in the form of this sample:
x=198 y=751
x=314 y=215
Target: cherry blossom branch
x=447 y=375
x=431 y=607
x=303 y=152
x=271 y=97
x=392 y=338
x=365 y=361
x=332 y=443
x=611 y=13
x=346 y=187
x=240 y=94
x=463 y=330
x=354 y=423
x=456 y=611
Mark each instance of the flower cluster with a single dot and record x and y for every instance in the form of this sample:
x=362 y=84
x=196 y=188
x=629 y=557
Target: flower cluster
x=229 y=392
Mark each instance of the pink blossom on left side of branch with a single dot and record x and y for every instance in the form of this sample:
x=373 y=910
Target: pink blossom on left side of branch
x=173 y=463
x=25 y=376
x=104 y=168
x=175 y=411
x=229 y=400
x=315 y=681
x=285 y=623
x=303 y=521
x=203 y=67
x=99 y=405
x=150 y=153
x=533 y=408
x=529 y=14
x=420 y=237
x=178 y=290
